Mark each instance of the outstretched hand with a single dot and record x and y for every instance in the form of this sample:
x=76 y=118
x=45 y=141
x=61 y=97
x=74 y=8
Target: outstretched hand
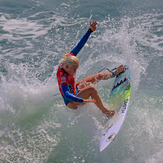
x=93 y=25
x=89 y=100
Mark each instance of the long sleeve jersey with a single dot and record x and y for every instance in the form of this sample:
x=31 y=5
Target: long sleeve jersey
x=66 y=82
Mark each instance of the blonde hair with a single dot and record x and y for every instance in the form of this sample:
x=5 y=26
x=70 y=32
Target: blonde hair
x=70 y=60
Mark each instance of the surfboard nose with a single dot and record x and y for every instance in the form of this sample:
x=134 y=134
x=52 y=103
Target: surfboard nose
x=102 y=146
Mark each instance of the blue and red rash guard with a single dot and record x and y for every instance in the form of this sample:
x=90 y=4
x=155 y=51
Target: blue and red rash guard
x=66 y=82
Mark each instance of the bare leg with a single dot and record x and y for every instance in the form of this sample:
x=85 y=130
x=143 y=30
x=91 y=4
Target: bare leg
x=93 y=79
x=90 y=91
x=86 y=90
x=97 y=77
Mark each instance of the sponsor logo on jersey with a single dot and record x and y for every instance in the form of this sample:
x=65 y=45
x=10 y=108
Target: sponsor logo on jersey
x=63 y=79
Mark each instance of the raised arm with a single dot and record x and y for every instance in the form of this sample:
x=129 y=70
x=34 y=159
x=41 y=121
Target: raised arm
x=84 y=39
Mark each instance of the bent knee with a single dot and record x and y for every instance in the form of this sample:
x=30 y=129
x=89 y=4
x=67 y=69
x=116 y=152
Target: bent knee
x=92 y=88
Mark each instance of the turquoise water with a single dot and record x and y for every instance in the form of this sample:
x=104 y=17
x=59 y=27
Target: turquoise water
x=35 y=126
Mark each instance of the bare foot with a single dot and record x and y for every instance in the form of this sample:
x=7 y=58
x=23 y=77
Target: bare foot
x=119 y=70
x=109 y=113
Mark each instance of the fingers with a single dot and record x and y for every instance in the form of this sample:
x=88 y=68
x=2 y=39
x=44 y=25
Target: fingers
x=89 y=100
x=93 y=100
x=93 y=25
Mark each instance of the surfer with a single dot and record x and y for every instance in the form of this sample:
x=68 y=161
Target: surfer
x=79 y=93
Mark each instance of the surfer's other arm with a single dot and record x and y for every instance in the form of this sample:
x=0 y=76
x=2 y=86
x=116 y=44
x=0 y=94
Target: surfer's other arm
x=84 y=39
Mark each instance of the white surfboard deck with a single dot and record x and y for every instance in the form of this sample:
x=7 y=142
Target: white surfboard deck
x=118 y=101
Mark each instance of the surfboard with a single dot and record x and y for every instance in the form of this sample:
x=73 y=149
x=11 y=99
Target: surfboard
x=118 y=100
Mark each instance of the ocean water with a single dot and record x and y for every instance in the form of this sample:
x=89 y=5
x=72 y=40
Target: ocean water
x=35 y=126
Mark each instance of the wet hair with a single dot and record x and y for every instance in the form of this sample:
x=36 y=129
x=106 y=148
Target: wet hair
x=70 y=60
